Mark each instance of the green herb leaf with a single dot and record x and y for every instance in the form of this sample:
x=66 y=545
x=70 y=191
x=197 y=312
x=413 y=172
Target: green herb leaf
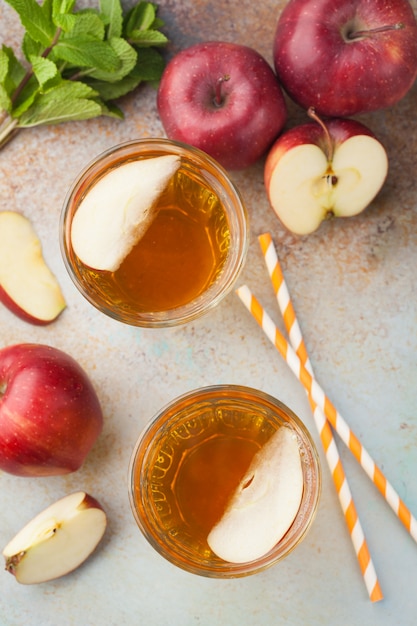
x=140 y=17
x=86 y=51
x=35 y=19
x=147 y=38
x=46 y=72
x=113 y=14
x=70 y=100
x=79 y=61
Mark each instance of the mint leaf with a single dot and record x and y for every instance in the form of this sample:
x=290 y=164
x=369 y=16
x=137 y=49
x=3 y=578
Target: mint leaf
x=86 y=51
x=35 y=20
x=147 y=38
x=127 y=60
x=60 y=7
x=30 y=47
x=5 y=101
x=15 y=70
x=113 y=15
x=70 y=100
x=46 y=72
x=89 y=24
x=140 y=17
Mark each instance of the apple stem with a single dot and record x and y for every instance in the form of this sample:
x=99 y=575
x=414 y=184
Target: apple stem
x=218 y=97
x=357 y=34
x=329 y=142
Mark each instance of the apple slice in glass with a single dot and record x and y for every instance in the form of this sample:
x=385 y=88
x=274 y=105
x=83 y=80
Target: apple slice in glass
x=27 y=286
x=57 y=540
x=118 y=209
x=264 y=504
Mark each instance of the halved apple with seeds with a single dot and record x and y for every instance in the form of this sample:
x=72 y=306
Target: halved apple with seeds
x=323 y=169
x=27 y=286
x=57 y=540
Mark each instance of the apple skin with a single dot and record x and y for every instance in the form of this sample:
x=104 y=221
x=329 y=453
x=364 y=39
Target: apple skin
x=252 y=112
x=319 y=67
x=50 y=415
x=14 y=308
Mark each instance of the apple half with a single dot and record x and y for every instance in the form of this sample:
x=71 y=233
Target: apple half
x=116 y=212
x=319 y=170
x=57 y=540
x=264 y=504
x=27 y=286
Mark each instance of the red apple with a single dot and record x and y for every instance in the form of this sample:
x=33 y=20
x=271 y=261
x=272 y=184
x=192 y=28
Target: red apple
x=27 y=286
x=223 y=98
x=318 y=170
x=50 y=415
x=346 y=56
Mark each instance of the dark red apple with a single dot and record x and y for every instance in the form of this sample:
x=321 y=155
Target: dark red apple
x=50 y=415
x=346 y=56
x=223 y=98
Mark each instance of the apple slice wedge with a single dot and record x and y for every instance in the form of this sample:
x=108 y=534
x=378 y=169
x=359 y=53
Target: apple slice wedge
x=27 y=286
x=116 y=212
x=264 y=504
x=317 y=170
x=57 y=540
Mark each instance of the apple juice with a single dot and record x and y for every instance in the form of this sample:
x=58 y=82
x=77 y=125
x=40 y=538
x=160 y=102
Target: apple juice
x=164 y=227
x=189 y=462
x=178 y=257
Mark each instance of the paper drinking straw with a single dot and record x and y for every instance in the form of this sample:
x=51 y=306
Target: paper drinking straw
x=329 y=410
x=323 y=427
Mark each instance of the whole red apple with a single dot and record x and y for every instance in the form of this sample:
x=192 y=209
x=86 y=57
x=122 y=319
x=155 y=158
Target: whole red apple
x=223 y=98
x=50 y=414
x=323 y=169
x=346 y=56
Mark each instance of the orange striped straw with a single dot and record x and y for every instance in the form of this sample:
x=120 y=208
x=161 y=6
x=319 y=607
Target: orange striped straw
x=336 y=420
x=323 y=427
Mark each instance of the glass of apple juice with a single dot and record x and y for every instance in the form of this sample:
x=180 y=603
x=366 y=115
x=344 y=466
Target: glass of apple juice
x=188 y=255
x=188 y=461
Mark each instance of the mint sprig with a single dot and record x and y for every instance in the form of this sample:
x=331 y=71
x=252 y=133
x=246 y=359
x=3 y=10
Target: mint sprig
x=76 y=63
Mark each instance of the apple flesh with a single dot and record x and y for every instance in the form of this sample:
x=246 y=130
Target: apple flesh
x=57 y=540
x=315 y=171
x=118 y=209
x=50 y=415
x=223 y=98
x=265 y=503
x=27 y=286
x=346 y=56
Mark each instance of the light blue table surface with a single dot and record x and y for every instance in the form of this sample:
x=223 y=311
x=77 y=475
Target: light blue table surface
x=353 y=287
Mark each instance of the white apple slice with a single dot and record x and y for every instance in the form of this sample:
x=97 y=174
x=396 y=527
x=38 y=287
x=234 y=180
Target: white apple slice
x=27 y=286
x=118 y=209
x=265 y=503
x=57 y=540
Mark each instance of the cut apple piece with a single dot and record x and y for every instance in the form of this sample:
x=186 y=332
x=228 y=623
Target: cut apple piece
x=313 y=173
x=118 y=209
x=57 y=540
x=265 y=503
x=27 y=286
